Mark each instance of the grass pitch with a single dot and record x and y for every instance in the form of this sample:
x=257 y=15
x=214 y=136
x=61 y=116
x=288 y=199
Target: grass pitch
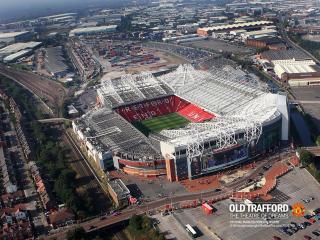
x=170 y=121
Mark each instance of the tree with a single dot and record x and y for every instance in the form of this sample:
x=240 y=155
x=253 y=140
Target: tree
x=135 y=222
x=306 y=157
x=77 y=234
x=318 y=140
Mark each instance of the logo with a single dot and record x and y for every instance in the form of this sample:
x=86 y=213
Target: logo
x=298 y=210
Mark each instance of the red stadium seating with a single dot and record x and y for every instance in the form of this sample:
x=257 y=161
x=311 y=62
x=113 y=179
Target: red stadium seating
x=163 y=106
x=152 y=108
x=195 y=114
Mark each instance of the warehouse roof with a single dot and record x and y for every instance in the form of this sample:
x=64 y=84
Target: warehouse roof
x=16 y=47
x=16 y=55
x=11 y=34
x=119 y=188
x=272 y=55
x=292 y=66
x=236 y=25
x=91 y=29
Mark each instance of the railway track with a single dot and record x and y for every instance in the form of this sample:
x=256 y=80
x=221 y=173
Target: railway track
x=53 y=93
x=81 y=168
x=93 y=185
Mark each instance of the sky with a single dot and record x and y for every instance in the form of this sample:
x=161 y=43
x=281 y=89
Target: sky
x=25 y=9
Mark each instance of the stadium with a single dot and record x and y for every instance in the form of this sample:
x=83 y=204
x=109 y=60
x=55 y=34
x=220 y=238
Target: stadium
x=183 y=124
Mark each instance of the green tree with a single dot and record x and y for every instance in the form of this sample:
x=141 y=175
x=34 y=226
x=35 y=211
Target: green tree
x=77 y=234
x=306 y=157
x=318 y=140
x=135 y=222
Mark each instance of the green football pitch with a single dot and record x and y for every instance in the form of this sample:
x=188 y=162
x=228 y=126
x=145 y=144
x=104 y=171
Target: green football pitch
x=170 y=121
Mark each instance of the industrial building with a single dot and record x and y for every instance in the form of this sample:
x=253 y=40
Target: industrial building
x=292 y=54
x=92 y=30
x=16 y=56
x=297 y=73
x=229 y=27
x=12 y=37
x=119 y=192
x=18 y=49
x=272 y=43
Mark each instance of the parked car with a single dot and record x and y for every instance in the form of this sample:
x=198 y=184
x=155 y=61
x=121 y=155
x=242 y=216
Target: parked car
x=316 y=233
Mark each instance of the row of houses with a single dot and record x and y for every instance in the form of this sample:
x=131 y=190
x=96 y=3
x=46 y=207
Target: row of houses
x=44 y=192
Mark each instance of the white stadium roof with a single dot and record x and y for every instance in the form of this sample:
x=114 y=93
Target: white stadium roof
x=239 y=101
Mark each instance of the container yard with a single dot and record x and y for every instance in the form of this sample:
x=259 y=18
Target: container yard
x=124 y=55
x=131 y=57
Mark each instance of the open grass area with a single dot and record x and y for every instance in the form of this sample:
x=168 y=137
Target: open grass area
x=170 y=121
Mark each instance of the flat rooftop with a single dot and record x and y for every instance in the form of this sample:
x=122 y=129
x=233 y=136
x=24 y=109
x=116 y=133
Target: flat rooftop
x=11 y=34
x=236 y=25
x=285 y=55
x=119 y=188
x=16 y=47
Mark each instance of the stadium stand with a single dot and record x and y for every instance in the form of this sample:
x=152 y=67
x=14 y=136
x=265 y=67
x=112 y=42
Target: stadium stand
x=153 y=108
x=195 y=114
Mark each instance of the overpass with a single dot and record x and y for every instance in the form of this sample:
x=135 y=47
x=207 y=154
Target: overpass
x=315 y=150
x=305 y=102
x=54 y=120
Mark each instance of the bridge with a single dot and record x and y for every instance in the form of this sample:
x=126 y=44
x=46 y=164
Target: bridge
x=54 y=120
x=305 y=101
x=315 y=150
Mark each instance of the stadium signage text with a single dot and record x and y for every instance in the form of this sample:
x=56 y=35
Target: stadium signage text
x=259 y=208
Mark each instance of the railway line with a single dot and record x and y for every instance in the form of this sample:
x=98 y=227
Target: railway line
x=51 y=93
x=93 y=183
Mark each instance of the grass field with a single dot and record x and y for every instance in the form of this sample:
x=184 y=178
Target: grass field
x=170 y=121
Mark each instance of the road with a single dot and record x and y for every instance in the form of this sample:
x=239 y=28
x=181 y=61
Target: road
x=285 y=37
x=226 y=192
x=54 y=120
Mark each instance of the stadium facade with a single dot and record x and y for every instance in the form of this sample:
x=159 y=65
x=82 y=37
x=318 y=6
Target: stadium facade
x=231 y=118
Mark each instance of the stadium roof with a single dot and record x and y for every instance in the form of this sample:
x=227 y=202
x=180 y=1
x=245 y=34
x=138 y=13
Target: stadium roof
x=238 y=99
x=132 y=88
x=108 y=131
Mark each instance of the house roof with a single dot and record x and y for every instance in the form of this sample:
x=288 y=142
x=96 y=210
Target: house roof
x=61 y=216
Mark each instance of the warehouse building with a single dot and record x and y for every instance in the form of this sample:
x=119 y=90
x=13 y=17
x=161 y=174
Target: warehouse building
x=273 y=43
x=17 y=47
x=119 y=192
x=297 y=73
x=16 y=56
x=12 y=37
x=92 y=30
x=292 y=54
x=229 y=27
